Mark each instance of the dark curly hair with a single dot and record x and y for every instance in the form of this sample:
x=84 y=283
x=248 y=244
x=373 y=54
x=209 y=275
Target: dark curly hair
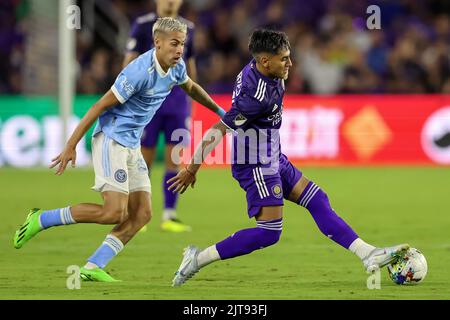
x=268 y=41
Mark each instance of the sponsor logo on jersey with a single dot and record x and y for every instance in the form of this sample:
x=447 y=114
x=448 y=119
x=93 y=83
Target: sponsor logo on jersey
x=239 y=120
x=127 y=86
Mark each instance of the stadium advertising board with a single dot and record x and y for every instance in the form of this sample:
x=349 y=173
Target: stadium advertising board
x=360 y=129
x=31 y=130
x=334 y=130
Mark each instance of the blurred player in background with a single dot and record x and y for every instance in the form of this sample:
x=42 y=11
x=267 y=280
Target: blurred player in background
x=175 y=110
x=121 y=174
x=264 y=172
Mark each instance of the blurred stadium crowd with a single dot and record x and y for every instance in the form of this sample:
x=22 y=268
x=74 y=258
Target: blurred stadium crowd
x=332 y=50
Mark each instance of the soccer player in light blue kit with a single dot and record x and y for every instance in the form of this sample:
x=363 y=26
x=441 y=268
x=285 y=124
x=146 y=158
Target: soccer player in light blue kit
x=121 y=174
x=175 y=111
x=264 y=172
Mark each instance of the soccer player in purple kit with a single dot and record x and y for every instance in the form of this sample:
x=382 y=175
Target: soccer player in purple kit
x=175 y=110
x=267 y=176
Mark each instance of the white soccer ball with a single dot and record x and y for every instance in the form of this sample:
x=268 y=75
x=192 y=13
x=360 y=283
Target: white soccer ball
x=410 y=269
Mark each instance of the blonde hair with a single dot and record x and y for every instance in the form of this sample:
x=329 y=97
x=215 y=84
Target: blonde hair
x=168 y=24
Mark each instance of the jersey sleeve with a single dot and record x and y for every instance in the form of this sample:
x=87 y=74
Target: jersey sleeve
x=130 y=81
x=138 y=41
x=181 y=73
x=244 y=110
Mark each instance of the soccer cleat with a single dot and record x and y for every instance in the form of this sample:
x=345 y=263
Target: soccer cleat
x=97 y=274
x=175 y=225
x=29 y=228
x=380 y=257
x=188 y=267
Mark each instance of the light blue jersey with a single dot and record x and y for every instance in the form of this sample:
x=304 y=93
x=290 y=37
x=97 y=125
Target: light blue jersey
x=141 y=89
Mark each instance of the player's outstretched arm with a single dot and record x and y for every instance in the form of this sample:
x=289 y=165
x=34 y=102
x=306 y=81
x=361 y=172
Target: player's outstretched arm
x=186 y=177
x=196 y=92
x=69 y=152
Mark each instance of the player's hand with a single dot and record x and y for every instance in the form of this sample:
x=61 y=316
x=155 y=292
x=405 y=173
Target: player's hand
x=182 y=181
x=69 y=154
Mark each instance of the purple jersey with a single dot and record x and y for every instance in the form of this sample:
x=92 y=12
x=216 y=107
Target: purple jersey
x=266 y=175
x=141 y=40
x=255 y=116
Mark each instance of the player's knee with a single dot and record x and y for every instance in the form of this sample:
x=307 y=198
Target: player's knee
x=321 y=200
x=113 y=215
x=140 y=218
x=270 y=237
x=269 y=232
x=314 y=198
x=145 y=215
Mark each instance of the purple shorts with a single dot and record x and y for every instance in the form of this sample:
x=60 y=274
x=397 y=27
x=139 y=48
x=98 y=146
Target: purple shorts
x=266 y=190
x=174 y=114
x=167 y=123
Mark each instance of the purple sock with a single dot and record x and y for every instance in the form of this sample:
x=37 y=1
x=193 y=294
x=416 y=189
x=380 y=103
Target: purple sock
x=170 y=198
x=331 y=225
x=248 y=240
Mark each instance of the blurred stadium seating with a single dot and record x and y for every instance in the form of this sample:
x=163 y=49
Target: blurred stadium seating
x=333 y=51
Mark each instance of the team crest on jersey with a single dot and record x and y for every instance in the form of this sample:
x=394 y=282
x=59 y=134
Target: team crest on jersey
x=239 y=120
x=277 y=191
x=120 y=176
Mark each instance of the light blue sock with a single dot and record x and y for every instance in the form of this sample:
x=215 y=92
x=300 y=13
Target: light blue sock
x=108 y=250
x=56 y=217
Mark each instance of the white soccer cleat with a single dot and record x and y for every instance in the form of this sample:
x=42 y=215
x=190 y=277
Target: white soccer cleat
x=188 y=267
x=380 y=257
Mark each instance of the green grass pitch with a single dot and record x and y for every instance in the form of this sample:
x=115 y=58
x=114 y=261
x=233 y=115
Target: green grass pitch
x=385 y=206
